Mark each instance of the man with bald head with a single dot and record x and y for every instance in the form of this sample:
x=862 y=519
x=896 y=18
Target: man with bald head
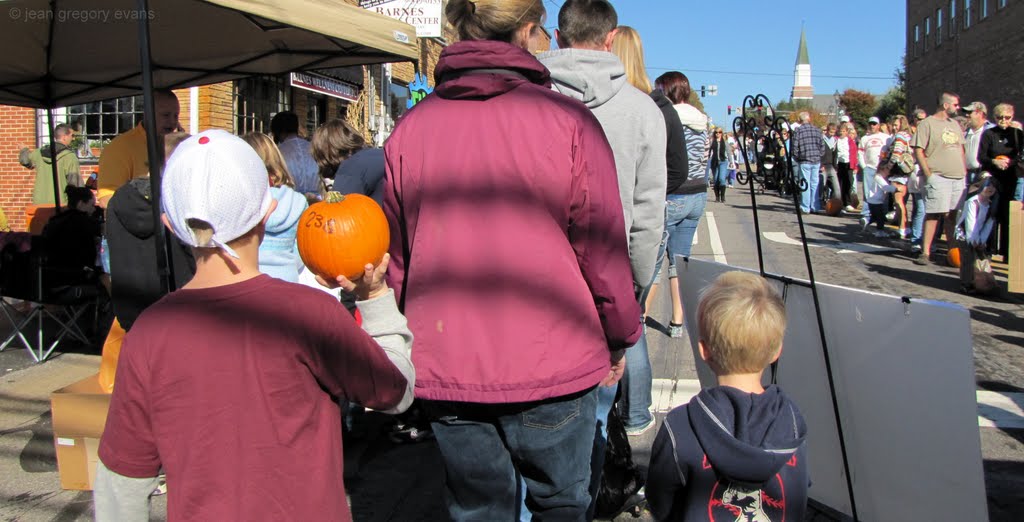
x=808 y=146
x=126 y=157
x=939 y=149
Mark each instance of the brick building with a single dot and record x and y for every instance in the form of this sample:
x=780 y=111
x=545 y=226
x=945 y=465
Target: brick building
x=970 y=47
x=371 y=98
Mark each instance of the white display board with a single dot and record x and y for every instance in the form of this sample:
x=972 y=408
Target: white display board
x=904 y=380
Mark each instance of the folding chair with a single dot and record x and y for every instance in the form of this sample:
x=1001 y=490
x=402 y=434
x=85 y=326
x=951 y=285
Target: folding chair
x=26 y=276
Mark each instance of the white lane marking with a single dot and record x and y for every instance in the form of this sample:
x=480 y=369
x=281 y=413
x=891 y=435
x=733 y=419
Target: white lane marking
x=843 y=248
x=1000 y=410
x=995 y=409
x=716 y=240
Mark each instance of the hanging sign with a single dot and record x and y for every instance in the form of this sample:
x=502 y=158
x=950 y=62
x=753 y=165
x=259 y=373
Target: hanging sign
x=424 y=15
x=325 y=85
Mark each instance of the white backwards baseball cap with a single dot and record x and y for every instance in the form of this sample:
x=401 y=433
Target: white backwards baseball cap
x=218 y=178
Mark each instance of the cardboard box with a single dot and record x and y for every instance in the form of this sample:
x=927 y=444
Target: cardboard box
x=1016 y=248
x=79 y=416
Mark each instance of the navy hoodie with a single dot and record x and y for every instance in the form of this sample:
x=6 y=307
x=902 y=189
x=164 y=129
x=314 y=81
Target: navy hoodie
x=730 y=455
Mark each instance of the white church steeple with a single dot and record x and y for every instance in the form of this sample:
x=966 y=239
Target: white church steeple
x=802 y=89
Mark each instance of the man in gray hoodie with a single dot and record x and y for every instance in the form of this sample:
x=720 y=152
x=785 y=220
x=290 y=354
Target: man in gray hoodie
x=585 y=69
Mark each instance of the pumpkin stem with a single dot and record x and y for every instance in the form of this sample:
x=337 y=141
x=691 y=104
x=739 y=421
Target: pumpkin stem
x=335 y=197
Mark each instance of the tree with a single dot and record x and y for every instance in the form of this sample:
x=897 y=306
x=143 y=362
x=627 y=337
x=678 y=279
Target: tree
x=895 y=99
x=859 y=105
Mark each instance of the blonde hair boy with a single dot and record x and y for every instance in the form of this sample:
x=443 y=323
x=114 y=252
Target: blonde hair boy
x=742 y=321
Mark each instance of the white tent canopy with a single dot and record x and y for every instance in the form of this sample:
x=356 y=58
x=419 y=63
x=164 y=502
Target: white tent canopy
x=66 y=52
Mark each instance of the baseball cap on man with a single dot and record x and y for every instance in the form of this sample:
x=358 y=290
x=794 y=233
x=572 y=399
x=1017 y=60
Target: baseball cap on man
x=217 y=178
x=873 y=119
x=976 y=106
x=845 y=119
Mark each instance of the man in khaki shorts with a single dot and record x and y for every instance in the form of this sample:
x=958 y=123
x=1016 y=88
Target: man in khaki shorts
x=939 y=149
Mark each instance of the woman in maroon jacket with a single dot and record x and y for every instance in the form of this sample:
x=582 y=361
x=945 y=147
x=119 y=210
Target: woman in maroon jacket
x=509 y=259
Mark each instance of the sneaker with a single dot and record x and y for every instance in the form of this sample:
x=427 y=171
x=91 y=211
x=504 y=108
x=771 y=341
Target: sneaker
x=640 y=430
x=921 y=259
x=881 y=233
x=904 y=233
x=915 y=248
x=849 y=208
x=864 y=224
x=889 y=216
x=675 y=330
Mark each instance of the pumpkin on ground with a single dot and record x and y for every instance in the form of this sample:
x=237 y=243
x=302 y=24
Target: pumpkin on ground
x=340 y=235
x=834 y=206
x=953 y=256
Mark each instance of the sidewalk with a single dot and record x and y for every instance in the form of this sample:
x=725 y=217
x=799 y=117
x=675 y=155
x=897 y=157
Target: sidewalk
x=29 y=485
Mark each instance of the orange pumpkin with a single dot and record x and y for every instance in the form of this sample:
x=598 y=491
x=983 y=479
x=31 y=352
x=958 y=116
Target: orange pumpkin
x=953 y=256
x=834 y=206
x=340 y=235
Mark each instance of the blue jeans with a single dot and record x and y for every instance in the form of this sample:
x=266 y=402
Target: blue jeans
x=917 y=220
x=1018 y=194
x=487 y=447
x=682 y=215
x=869 y=186
x=810 y=199
x=722 y=175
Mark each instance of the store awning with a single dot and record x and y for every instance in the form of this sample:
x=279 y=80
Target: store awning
x=65 y=52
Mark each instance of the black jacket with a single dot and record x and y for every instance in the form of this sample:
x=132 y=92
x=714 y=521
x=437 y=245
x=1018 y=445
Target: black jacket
x=131 y=239
x=730 y=455
x=676 y=156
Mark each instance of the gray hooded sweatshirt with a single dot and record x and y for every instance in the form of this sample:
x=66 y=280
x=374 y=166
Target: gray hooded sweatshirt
x=635 y=128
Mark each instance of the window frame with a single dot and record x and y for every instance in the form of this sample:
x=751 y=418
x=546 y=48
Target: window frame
x=938 y=27
x=102 y=121
x=259 y=120
x=967 y=14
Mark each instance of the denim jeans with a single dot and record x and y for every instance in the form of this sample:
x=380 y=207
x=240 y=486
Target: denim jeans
x=1018 y=193
x=722 y=174
x=487 y=447
x=869 y=186
x=917 y=220
x=810 y=199
x=682 y=215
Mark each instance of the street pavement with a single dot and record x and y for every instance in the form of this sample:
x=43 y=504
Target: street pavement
x=404 y=482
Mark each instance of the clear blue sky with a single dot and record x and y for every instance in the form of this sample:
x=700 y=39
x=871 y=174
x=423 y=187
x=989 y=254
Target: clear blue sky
x=753 y=43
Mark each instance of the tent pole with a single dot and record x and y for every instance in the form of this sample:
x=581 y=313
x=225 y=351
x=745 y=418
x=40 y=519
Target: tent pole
x=53 y=157
x=154 y=148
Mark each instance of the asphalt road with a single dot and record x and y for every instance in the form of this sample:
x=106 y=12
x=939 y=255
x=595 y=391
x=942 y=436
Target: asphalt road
x=388 y=481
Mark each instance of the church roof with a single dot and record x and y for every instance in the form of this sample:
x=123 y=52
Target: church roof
x=801 y=54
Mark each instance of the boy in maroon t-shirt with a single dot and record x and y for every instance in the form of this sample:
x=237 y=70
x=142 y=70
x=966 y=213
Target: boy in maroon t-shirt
x=231 y=385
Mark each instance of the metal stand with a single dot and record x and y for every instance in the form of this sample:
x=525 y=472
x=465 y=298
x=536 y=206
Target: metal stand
x=757 y=120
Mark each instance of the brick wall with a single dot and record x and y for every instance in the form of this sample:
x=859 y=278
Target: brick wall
x=217 y=107
x=17 y=130
x=981 y=62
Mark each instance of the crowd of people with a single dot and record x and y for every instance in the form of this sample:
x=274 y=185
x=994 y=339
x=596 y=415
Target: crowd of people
x=522 y=272
x=918 y=175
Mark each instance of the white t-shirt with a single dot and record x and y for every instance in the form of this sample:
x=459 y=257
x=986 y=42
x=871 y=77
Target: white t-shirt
x=843 y=149
x=871 y=149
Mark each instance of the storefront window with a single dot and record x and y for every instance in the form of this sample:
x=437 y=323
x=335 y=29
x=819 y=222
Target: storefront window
x=398 y=95
x=99 y=122
x=257 y=100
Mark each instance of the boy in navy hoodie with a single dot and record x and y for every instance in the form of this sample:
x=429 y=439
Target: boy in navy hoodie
x=737 y=451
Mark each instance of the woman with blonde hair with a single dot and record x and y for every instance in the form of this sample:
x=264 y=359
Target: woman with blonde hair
x=279 y=257
x=509 y=256
x=628 y=47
